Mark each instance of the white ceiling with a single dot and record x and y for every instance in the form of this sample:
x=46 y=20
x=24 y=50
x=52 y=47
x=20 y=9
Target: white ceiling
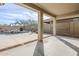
x=59 y=9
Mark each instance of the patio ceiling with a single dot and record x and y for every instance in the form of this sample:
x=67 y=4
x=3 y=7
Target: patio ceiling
x=60 y=9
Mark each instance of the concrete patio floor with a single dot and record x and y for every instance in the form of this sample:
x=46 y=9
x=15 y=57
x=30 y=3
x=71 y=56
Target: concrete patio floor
x=8 y=40
x=51 y=45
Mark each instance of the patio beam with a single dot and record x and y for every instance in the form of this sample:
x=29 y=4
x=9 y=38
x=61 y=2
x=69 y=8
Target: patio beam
x=40 y=26
x=39 y=9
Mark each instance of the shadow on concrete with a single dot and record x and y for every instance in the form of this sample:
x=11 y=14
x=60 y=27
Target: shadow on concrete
x=15 y=46
x=39 y=49
x=18 y=45
x=70 y=45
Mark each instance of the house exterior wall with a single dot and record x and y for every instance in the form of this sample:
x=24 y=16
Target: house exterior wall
x=69 y=28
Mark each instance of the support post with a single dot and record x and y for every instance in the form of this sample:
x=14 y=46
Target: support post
x=50 y=26
x=54 y=26
x=40 y=26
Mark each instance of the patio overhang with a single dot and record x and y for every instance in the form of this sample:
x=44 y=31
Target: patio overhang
x=61 y=10
x=57 y=11
x=39 y=9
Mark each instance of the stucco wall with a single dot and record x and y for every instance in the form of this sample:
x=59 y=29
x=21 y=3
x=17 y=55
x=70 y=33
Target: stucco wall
x=68 y=28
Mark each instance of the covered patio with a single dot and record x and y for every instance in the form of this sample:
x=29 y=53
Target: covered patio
x=46 y=44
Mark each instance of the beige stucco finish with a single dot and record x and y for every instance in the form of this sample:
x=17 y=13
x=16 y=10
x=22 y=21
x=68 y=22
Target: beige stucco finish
x=61 y=9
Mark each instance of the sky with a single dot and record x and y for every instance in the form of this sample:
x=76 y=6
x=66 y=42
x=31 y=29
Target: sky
x=11 y=12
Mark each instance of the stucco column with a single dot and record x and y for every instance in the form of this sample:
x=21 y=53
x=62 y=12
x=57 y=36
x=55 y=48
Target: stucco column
x=54 y=26
x=50 y=26
x=40 y=26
